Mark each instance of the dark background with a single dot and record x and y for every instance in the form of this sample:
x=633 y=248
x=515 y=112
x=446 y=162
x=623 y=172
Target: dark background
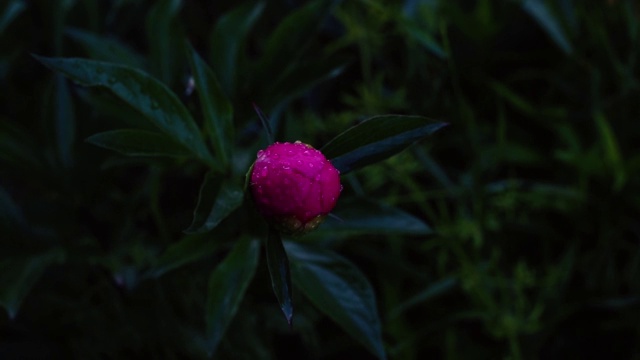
x=532 y=190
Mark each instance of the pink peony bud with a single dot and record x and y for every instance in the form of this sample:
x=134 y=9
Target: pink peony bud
x=294 y=186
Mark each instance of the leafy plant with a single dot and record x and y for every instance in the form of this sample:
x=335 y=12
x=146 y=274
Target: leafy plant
x=126 y=230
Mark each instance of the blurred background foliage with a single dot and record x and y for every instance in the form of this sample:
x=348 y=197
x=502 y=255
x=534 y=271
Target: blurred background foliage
x=532 y=192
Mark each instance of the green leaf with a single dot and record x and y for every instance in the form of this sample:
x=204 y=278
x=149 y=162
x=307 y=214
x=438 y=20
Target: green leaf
x=291 y=38
x=433 y=290
x=338 y=289
x=138 y=143
x=611 y=150
x=305 y=76
x=18 y=276
x=424 y=38
x=218 y=198
x=540 y=12
x=183 y=252
x=144 y=93
x=11 y=214
x=280 y=273
x=164 y=38
x=64 y=121
x=18 y=149
x=228 y=39
x=216 y=108
x=106 y=48
x=10 y=12
x=227 y=286
x=376 y=139
x=369 y=216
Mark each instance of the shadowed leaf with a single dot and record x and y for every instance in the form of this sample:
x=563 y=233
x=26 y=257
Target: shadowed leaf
x=376 y=139
x=280 y=273
x=338 y=289
x=146 y=94
x=217 y=199
x=138 y=143
x=227 y=286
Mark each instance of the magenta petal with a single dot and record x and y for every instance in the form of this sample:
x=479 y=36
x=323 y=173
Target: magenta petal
x=294 y=186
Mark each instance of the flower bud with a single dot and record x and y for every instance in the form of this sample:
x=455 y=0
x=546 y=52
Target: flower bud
x=294 y=186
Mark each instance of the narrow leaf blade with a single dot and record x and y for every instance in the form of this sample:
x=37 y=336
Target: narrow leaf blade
x=376 y=139
x=291 y=37
x=218 y=198
x=186 y=251
x=368 y=216
x=540 y=12
x=18 y=276
x=340 y=290
x=134 y=142
x=11 y=12
x=64 y=121
x=227 y=41
x=280 y=273
x=143 y=92
x=227 y=286
x=216 y=108
x=106 y=48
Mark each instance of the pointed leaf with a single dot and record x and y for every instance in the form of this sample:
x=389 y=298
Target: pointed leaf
x=304 y=77
x=105 y=48
x=338 y=289
x=376 y=139
x=18 y=150
x=611 y=150
x=183 y=252
x=218 y=198
x=18 y=276
x=368 y=216
x=138 y=143
x=280 y=273
x=291 y=38
x=540 y=12
x=64 y=121
x=227 y=286
x=11 y=214
x=433 y=290
x=216 y=108
x=144 y=93
x=10 y=12
x=163 y=37
x=424 y=38
x=228 y=39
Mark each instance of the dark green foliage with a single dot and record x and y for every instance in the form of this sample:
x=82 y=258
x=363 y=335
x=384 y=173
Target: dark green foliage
x=127 y=128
